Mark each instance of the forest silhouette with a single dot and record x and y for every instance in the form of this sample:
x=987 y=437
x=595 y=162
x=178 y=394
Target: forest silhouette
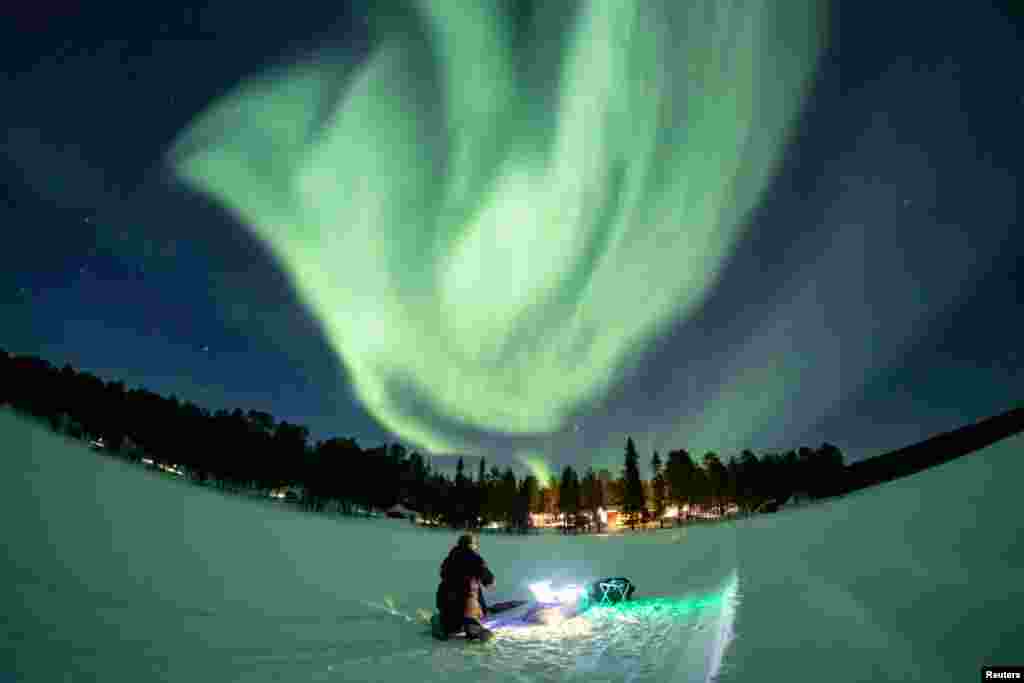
x=250 y=452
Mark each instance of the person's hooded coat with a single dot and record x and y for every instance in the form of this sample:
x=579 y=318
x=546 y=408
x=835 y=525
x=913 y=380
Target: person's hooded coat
x=463 y=573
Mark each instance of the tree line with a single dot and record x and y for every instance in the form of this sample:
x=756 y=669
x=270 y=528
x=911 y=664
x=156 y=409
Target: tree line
x=250 y=451
x=744 y=483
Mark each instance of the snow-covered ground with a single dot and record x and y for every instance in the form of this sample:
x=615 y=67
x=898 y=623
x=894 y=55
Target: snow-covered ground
x=112 y=573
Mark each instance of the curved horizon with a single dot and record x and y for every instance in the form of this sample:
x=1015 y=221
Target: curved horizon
x=119 y=574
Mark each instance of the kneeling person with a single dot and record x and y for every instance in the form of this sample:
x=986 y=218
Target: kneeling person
x=460 y=599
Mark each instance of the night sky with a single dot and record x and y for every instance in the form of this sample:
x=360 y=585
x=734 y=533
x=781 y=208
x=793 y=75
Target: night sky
x=869 y=295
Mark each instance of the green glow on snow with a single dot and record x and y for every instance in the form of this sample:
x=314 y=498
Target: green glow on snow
x=662 y=607
x=491 y=228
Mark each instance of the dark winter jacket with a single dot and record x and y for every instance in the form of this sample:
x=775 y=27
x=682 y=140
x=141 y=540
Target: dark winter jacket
x=463 y=573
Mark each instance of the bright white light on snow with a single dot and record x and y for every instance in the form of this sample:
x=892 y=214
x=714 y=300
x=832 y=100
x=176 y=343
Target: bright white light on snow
x=553 y=627
x=543 y=592
x=552 y=616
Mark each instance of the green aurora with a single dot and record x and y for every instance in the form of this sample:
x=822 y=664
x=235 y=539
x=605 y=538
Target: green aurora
x=492 y=221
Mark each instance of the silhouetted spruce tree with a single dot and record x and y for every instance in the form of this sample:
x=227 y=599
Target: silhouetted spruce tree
x=569 y=498
x=598 y=496
x=289 y=445
x=508 y=490
x=606 y=481
x=803 y=479
x=769 y=469
x=830 y=471
x=257 y=462
x=592 y=496
x=732 y=482
x=659 y=493
x=748 y=475
x=68 y=421
x=397 y=471
x=493 y=509
x=374 y=492
x=419 y=473
x=789 y=477
x=480 y=495
x=633 y=502
x=233 y=440
x=313 y=480
x=528 y=493
x=680 y=473
x=442 y=491
x=433 y=497
x=407 y=482
x=715 y=475
x=113 y=426
x=461 y=502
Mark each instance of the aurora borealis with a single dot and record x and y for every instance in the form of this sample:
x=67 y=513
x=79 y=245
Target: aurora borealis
x=490 y=226
x=525 y=230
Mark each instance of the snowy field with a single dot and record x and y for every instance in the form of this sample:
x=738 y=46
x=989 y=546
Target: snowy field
x=112 y=573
